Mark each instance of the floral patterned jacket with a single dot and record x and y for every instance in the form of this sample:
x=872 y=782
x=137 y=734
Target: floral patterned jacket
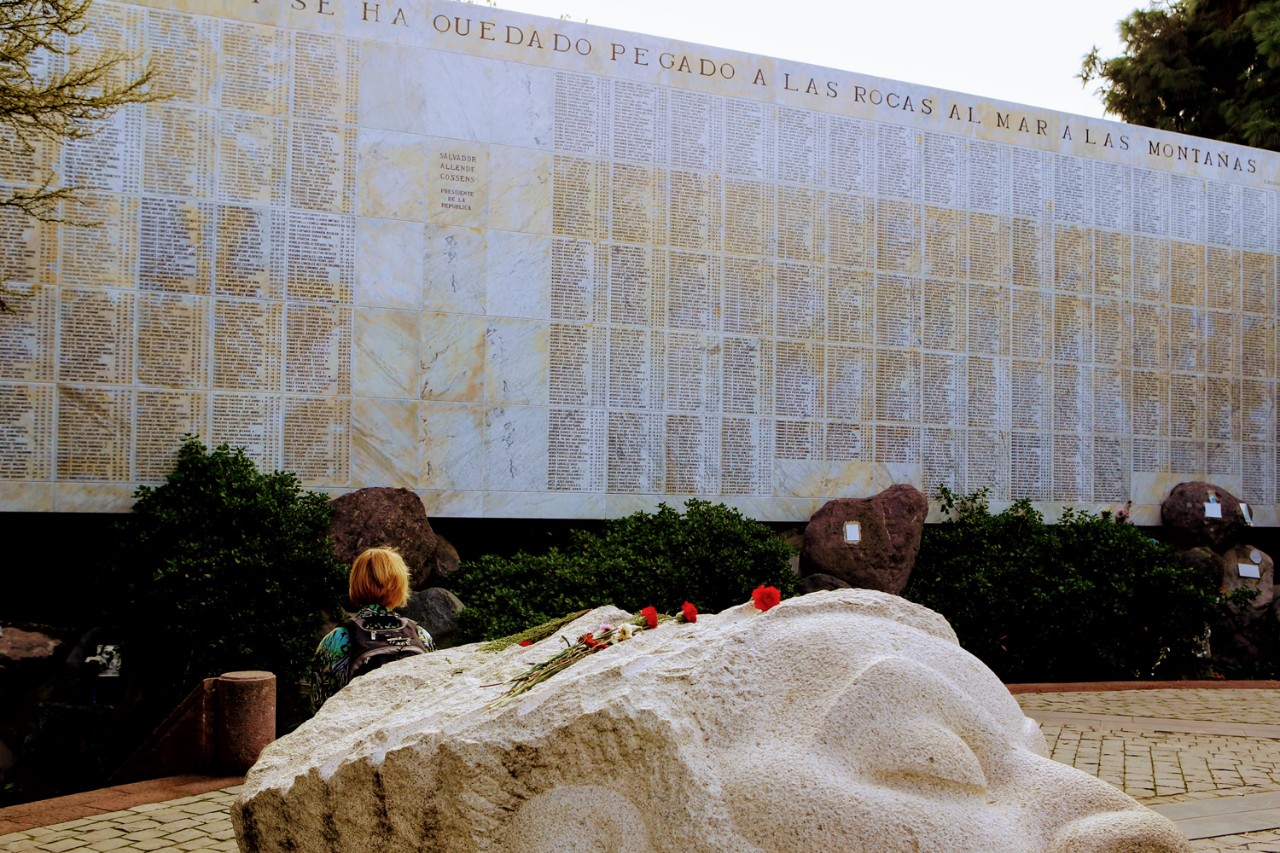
x=329 y=667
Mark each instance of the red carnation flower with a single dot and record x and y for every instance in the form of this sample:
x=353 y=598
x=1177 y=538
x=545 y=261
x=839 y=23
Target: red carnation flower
x=765 y=597
x=650 y=615
x=526 y=642
x=689 y=612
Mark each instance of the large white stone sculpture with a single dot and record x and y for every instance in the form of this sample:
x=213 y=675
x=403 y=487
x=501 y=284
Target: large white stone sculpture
x=848 y=721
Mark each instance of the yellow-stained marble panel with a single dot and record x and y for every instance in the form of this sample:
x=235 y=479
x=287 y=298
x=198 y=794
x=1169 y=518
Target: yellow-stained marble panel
x=386 y=353
x=521 y=178
x=392 y=183
x=452 y=362
x=384 y=443
x=458 y=182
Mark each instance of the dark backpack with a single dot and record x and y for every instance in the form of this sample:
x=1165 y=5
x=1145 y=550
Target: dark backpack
x=377 y=640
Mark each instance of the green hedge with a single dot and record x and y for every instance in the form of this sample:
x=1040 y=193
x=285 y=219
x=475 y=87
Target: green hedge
x=223 y=568
x=1089 y=598
x=711 y=555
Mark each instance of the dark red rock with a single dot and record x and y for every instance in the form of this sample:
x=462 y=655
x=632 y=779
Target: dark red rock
x=435 y=609
x=1244 y=631
x=819 y=582
x=1183 y=513
x=447 y=562
x=374 y=517
x=28 y=651
x=1244 y=555
x=794 y=537
x=7 y=761
x=892 y=523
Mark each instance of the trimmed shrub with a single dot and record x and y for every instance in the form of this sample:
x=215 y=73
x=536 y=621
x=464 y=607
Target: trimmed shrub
x=223 y=568
x=1089 y=598
x=711 y=555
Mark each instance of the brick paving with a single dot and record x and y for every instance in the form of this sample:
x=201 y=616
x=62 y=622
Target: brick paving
x=1214 y=753
x=1165 y=746
x=197 y=822
x=1261 y=707
x=1161 y=767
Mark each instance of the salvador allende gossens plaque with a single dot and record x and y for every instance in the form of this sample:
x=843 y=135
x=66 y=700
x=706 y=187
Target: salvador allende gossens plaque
x=531 y=267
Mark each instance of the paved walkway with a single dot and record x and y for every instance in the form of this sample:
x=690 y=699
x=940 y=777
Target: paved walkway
x=198 y=822
x=1208 y=759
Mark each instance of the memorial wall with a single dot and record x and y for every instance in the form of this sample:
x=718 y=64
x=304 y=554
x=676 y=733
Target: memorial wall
x=531 y=267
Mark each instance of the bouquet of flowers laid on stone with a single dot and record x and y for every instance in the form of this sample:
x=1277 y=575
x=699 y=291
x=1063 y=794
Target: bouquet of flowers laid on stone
x=763 y=598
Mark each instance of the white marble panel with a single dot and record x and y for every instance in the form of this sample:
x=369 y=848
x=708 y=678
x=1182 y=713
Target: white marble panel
x=452 y=350
x=618 y=505
x=392 y=179
x=516 y=449
x=756 y=506
x=804 y=478
x=543 y=505
x=1152 y=488
x=456 y=265
x=384 y=443
x=459 y=99
x=394 y=87
x=449 y=504
x=451 y=447
x=522 y=105
x=899 y=472
x=386 y=353
x=519 y=275
x=27 y=497
x=92 y=497
x=390 y=259
x=516 y=356
x=1233 y=483
x=521 y=178
x=1263 y=516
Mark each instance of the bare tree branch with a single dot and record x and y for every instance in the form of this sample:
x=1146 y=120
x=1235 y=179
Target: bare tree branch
x=52 y=87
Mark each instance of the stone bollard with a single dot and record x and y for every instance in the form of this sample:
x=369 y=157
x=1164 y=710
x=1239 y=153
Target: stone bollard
x=246 y=718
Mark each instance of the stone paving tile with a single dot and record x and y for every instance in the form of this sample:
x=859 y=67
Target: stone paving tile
x=1268 y=841
x=1161 y=767
x=1168 y=766
x=190 y=823
x=1260 y=707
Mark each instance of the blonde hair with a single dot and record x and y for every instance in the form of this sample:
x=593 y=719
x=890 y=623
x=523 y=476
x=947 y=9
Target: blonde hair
x=379 y=576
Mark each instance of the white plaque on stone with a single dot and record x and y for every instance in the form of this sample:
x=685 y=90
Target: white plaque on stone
x=1248 y=570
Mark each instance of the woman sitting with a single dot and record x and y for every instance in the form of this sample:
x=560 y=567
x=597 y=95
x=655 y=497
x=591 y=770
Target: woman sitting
x=379 y=583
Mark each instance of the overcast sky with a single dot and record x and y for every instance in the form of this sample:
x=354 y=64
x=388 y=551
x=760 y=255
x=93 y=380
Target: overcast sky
x=1026 y=51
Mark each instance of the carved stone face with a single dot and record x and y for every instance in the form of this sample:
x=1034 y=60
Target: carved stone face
x=848 y=720
x=860 y=725
x=898 y=740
